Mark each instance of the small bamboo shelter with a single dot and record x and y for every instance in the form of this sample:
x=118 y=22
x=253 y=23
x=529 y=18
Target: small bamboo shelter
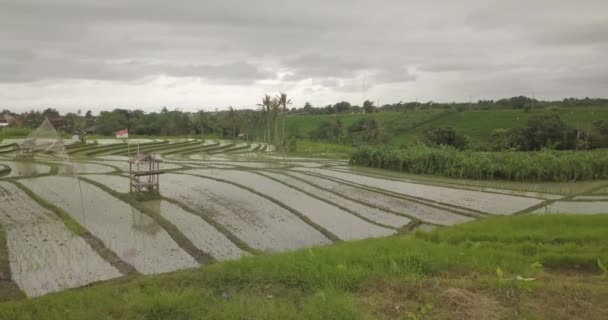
x=144 y=172
x=26 y=150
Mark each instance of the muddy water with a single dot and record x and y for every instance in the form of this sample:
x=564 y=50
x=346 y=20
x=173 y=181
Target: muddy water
x=597 y=197
x=84 y=167
x=305 y=164
x=259 y=222
x=368 y=212
x=113 y=157
x=45 y=256
x=25 y=168
x=486 y=202
x=575 y=207
x=124 y=165
x=135 y=237
x=420 y=211
x=116 y=183
x=218 y=166
x=208 y=157
x=108 y=141
x=202 y=235
x=259 y=165
x=339 y=222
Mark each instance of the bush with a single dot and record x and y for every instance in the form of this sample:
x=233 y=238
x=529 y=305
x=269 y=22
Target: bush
x=327 y=130
x=545 y=165
x=444 y=136
x=364 y=130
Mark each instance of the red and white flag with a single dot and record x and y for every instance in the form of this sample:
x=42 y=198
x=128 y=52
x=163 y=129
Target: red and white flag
x=122 y=134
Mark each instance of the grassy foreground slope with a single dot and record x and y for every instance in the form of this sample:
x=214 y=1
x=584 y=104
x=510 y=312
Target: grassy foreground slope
x=466 y=272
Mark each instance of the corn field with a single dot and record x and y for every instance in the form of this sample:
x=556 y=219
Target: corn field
x=543 y=165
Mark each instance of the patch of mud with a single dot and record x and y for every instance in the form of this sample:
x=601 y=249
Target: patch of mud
x=25 y=168
x=575 y=207
x=45 y=256
x=262 y=224
x=425 y=227
x=339 y=222
x=135 y=237
x=492 y=203
x=466 y=305
x=203 y=236
x=420 y=211
x=368 y=212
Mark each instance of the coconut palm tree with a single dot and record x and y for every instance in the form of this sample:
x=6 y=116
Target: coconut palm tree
x=283 y=103
x=266 y=108
x=274 y=110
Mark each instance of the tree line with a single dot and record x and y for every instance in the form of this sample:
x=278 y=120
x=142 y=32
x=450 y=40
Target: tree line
x=267 y=123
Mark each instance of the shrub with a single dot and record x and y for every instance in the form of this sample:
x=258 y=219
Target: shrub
x=444 y=136
x=545 y=165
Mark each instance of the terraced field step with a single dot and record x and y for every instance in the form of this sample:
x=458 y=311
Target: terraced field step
x=44 y=255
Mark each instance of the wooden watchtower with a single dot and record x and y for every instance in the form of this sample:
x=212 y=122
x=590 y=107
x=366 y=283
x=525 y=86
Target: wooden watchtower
x=144 y=172
x=26 y=150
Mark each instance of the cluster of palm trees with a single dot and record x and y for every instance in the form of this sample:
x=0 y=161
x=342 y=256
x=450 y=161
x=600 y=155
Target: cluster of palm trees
x=274 y=108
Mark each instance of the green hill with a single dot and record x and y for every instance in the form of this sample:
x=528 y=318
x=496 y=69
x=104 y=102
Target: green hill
x=532 y=267
x=406 y=126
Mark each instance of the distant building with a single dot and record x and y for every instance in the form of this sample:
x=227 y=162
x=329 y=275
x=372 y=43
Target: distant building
x=7 y=120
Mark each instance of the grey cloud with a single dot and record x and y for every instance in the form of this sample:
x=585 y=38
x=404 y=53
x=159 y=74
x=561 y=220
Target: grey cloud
x=343 y=45
x=34 y=69
x=592 y=32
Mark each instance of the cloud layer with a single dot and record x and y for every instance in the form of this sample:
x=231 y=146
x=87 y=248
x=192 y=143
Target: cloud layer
x=206 y=54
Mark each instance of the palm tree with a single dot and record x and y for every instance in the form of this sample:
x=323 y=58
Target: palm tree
x=274 y=108
x=283 y=103
x=266 y=108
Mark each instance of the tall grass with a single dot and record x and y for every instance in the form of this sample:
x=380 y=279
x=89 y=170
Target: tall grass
x=8 y=133
x=543 y=165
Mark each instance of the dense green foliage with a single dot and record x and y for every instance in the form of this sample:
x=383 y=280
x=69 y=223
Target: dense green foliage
x=347 y=280
x=444 y=136
x=545 y=165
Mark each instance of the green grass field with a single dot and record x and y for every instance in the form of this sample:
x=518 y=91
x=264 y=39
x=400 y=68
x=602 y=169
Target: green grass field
x=478 y=125
x=472 y=271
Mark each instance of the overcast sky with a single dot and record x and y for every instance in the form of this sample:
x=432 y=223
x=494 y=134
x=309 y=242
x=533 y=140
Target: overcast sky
x=194 y=54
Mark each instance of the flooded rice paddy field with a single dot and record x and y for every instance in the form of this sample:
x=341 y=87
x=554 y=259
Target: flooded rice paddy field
x=44 y=256
x=224 y=200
